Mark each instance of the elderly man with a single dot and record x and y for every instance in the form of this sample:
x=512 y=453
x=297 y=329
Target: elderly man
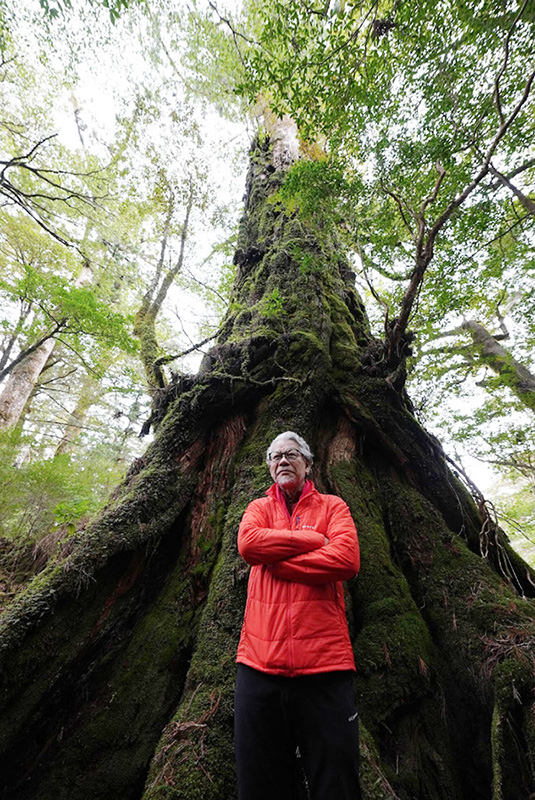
x=294 y=691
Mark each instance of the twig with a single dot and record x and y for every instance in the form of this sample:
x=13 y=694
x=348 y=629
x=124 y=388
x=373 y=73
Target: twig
x=399 y=202
x=504 y=64
x=235 y=34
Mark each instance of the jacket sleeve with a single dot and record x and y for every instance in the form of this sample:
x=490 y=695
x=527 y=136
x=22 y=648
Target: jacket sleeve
x=259 y=544
x=338 y=560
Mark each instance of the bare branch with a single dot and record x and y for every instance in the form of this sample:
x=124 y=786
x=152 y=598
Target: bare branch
x=228 y=23
x=385 y=272
x=400 y=203
x=497 y=98
x=425 y=244
x=167 y=359
x=172 y=273
x=18 y=200
x=42 y=175
x=87 y=365
x=18 y=160
x=485 y=168
x=205 y=285
x=372 y=289
x=54 y=190
x=58 y=377
x=235 y=33
x=434 y=194
x=424 y=254
x=149 y=294
x=522 y=466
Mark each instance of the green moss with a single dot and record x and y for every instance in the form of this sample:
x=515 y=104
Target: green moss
x=197 y=745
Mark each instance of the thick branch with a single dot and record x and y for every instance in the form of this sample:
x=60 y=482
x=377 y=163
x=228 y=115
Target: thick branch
x=527 y=202
x=514 y=172
x=513 y=374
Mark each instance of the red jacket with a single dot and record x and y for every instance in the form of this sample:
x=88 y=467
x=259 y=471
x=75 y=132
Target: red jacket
x=295 y=621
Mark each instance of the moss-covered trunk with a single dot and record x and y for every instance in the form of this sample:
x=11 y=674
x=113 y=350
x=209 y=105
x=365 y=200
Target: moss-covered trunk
x=118 y=661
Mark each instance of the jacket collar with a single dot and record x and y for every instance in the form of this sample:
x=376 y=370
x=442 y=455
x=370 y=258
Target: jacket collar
x=275 y=491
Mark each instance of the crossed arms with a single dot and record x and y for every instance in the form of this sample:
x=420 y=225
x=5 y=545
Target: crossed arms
x=303 y=556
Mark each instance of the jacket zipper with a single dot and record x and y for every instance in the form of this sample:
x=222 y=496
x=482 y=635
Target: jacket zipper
x=290 y=637
x=289 y=604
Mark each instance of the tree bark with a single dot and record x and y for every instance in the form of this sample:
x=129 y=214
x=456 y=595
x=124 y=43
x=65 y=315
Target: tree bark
x=118 y=660
x=21 y=382
x=10 y=341
x=24 y=371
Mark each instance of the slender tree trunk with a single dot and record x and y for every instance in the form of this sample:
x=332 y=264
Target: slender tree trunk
x=20 y=384
x=25 y=310
x=23 y=376
x=87 y=398
x=118 y=661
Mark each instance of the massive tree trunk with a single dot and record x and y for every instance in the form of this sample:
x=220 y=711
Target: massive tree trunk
x=118 y=661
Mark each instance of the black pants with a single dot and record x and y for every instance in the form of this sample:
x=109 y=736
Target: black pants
x=313 y=716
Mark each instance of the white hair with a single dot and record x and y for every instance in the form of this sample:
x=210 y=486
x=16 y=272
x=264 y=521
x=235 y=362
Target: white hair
x=305 y=450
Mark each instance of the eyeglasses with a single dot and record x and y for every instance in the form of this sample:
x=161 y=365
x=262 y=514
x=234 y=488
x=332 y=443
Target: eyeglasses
x=290 y=455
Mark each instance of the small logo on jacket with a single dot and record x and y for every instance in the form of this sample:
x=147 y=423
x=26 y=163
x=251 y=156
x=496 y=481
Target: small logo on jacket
x=353 y=716
x=312 y=527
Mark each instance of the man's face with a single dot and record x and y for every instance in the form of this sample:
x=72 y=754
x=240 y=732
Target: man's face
x=290 y=475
